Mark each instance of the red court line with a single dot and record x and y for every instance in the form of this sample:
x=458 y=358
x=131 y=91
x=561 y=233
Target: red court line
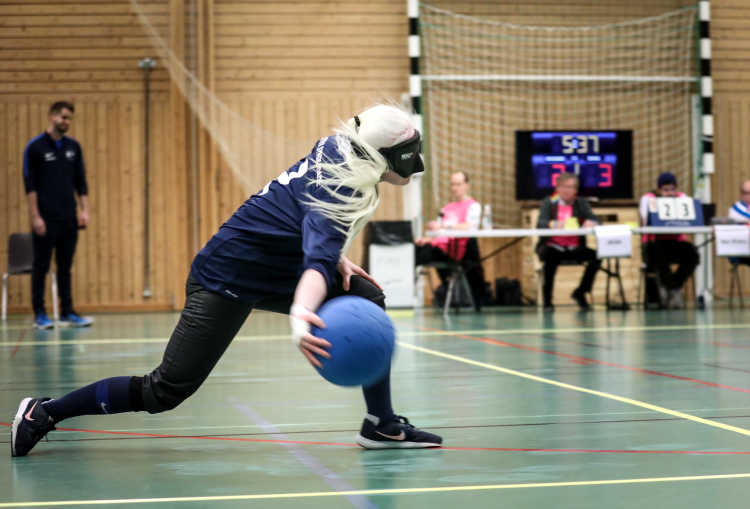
x=18 y=343
x=230 y=439
x=729 y=345
x=344 y=444
x=586 y=360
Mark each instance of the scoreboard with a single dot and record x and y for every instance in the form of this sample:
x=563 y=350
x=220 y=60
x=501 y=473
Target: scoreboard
x=601 y=159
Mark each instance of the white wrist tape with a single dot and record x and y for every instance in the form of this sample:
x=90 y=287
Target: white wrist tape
x=299 y=326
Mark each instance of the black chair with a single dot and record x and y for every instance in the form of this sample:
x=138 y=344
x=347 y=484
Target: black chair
x=611 y=268
x=457 y=278
x=21 y=261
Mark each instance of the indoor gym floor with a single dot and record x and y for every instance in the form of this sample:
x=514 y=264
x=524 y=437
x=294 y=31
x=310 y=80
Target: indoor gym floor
x=600 y=409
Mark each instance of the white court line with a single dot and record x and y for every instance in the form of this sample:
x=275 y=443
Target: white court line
x=403 y=334
x=622 y=399
x=395 y=491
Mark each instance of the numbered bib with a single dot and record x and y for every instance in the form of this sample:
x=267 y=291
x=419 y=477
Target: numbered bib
x=682 y=211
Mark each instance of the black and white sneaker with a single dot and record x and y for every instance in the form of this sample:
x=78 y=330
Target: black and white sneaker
x=29 y=426
x=395 y=434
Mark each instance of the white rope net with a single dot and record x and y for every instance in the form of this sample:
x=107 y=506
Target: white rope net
x=483 y=80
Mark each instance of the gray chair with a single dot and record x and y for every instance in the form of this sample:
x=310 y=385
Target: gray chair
x=21 y=261
x=457 y=277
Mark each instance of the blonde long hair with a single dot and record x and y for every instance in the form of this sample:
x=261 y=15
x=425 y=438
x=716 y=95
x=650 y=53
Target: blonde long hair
x=361 y=168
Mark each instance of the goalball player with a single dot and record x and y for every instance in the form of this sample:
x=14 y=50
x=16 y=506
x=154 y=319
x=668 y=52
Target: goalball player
x=282 y=251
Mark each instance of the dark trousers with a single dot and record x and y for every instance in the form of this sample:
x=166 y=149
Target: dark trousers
x=428 y=253
x=660 y=254
x=61 y=236
x=552 y=258
x=207 y=325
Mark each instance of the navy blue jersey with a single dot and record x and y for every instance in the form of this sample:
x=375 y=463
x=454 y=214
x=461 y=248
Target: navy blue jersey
x=263 y=249
x=55 y=171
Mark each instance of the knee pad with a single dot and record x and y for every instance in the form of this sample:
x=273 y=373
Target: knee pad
x=160 y=395
x=379 y=299
x=361 y=287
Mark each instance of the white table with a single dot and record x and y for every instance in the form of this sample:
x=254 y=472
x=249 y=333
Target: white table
x=520 y=233
x=555 y=232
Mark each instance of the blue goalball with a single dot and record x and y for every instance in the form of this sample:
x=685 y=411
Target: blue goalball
x=362 y=339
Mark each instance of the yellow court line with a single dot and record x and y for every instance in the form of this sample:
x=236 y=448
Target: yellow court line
x=394 y=491
x=564 y=330
x=607 y=395
x=408 y=334
x=400 y=313
x=393 y=313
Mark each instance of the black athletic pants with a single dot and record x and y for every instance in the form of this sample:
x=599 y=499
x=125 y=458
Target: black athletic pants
x=207 y=325
x=552 y=258
x=660 y=254
x=61 y=236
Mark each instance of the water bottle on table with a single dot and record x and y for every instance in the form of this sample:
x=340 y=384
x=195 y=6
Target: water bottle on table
x=486 y=218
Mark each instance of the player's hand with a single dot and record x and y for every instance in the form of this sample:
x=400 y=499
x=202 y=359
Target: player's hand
x=433 y=225
x=589 y=223
x=301 y=319
x=83 y=219
x=347 y=269
x=38 y=226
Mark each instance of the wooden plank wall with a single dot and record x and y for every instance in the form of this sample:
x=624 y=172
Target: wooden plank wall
x=88 y=53
x=562 y=12
x=290 y=68
x=293 y=70
x=730 y=45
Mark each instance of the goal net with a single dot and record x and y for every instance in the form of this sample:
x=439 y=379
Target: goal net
x=482 y=80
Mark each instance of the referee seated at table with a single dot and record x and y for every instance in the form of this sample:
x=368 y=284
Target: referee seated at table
x=565 y=209
x=663 y=250
x=740 y=213
x=463 y=213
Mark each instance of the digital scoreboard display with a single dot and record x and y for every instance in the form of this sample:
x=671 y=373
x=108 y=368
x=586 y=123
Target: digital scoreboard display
x=603 y=161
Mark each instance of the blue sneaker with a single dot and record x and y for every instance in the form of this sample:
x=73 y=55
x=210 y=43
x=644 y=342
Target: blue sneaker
x=42 y=322
x=74 y=320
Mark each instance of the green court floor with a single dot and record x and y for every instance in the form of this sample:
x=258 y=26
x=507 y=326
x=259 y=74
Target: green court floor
x=580 y=410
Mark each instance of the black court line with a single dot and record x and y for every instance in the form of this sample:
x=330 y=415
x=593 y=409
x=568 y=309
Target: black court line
x=145 y=434
x=726 y=367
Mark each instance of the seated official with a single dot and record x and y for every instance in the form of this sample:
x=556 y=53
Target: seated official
x=740 y=213
x=663 y=250
x=463 y=213
x=557 y=211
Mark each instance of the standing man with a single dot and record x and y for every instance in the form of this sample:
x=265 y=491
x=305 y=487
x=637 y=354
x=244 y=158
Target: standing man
x=53 y=173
